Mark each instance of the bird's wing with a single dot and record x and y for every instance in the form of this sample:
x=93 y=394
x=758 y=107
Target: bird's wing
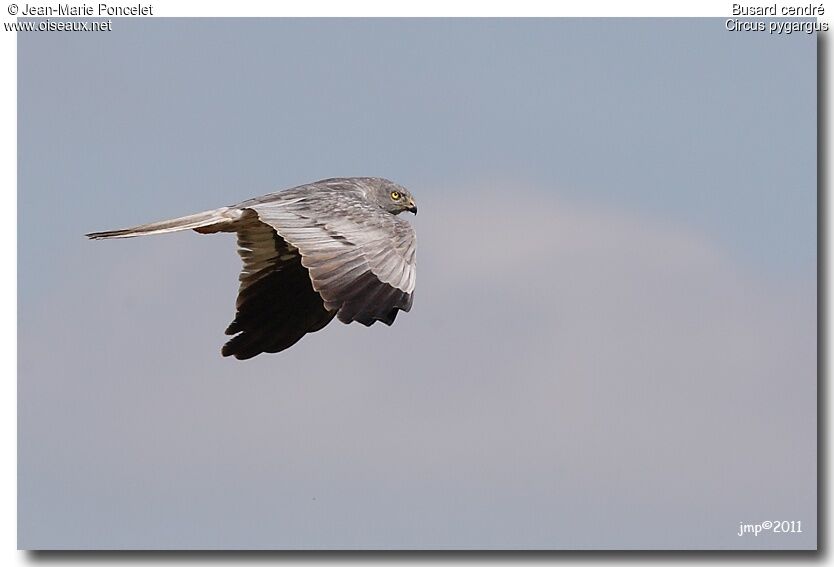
x=276 y=302
x=361 y=259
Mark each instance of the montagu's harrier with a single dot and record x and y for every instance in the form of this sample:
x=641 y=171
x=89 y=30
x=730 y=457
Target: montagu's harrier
x=331 y=248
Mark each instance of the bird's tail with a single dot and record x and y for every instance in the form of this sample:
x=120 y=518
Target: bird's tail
x=209 y=221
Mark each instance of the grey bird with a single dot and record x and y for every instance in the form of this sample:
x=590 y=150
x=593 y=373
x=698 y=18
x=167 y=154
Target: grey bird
x=335 y=247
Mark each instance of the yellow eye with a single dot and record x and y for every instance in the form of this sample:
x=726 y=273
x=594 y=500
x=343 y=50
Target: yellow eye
x=395 y=195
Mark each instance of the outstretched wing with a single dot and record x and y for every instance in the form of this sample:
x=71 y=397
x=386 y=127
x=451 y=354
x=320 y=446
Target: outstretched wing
x=276 y=302
x=360 y=258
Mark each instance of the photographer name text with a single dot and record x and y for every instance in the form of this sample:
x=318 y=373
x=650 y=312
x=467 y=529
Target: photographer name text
x=86 y=10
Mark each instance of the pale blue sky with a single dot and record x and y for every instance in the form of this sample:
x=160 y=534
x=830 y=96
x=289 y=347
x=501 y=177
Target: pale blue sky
x=613 y=337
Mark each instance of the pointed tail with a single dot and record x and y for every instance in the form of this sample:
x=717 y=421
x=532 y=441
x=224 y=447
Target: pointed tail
x=209 y=221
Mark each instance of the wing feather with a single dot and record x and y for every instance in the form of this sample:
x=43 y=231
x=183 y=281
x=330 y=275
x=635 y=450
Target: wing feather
x=276 y=302
x=361 y=259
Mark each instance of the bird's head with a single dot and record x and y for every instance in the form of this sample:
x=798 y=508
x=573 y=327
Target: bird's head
x=392 y=197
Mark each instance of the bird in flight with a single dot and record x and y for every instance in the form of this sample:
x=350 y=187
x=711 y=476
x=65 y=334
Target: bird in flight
x=335 y=247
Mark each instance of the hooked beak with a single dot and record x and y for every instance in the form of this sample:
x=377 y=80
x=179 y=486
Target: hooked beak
x=412 y=207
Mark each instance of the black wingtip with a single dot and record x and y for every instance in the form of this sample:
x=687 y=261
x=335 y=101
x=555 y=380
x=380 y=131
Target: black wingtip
x=230 y=349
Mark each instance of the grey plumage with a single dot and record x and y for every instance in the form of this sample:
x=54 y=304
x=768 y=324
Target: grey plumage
x=335 y=247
